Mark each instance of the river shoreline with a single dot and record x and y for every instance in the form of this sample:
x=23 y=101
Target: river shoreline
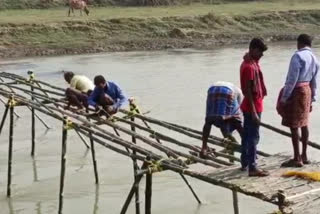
x=159 y=33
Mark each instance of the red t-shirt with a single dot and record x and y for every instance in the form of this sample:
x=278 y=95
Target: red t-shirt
x=250 y=70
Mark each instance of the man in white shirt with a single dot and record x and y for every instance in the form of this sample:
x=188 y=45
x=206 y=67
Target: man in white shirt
x=80 y=88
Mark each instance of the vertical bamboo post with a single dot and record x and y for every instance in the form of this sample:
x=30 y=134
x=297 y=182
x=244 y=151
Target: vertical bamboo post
x=135 y=168
x=148 y=193
x=35 y=172
x=234 y=192
x=33 y=130
x=63 y=162
x=4 y=116
x=132 y=191
x=96 y=200
x=93 y=153
x=11 y=106
x=130 y=195
x=235 y=202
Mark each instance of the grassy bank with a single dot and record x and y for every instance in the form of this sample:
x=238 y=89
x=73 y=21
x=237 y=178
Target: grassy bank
x=48 y=32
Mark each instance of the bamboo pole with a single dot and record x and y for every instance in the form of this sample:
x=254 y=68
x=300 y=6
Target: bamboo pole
x=40 y=119
x=167 y=150
x=15 y=113
x=96 y=200
x=133 y=125
x=35 y=172
x=93 y=154
x=33 y=130
x=190 y=187
x=135 y=168
x=287 y=134
x=82 y=139
x=114 y=138
x=5 y=113
x=225 y=143
x=132 y=191
x=235 y=202
x=63 y=163
x=10 y=148
x=131 y=194
x=148 y=193
x=179 y=143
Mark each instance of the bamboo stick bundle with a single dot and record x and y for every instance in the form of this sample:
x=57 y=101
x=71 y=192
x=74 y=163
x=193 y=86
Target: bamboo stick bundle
x=179 y=143
x=224 y=143
x=15 y=76
x=105 y=134
x=153 y=144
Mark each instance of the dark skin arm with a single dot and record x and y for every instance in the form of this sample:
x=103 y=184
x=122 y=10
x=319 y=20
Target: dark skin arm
x=251 y=102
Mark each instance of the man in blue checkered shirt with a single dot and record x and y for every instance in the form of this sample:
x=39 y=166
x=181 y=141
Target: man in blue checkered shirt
x=222 y=111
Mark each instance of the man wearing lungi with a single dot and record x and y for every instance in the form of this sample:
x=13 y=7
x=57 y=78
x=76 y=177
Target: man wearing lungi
x=222 y=111
x=79 y=90
x=254 y=90
x=297 y=96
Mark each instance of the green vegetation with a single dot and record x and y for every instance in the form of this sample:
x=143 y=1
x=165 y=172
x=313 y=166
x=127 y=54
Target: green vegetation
x=241 y=8
x=50 y=31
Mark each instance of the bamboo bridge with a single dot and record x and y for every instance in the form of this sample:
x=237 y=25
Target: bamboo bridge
x=152 y=149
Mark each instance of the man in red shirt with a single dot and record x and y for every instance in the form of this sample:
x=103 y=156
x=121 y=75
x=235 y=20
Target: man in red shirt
x=254 y=90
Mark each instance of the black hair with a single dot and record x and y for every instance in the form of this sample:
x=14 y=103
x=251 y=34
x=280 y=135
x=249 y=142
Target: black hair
x=99 y=79
x=258 y=43
x=68 y=76
x=305 y=39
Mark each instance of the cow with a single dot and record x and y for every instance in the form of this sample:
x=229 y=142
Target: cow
x=78 y=4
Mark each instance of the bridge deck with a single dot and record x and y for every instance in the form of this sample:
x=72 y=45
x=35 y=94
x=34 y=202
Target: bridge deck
x=300 y=194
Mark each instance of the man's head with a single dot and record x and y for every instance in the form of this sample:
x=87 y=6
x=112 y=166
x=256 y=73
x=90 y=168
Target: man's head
x=99 y=81
x=256 y=48
x=68 y=76
x=304 y=40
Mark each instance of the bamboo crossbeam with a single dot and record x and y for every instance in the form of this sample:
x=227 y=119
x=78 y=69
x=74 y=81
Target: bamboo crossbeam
x=84 y=128
x=174 y=141
x=167 y=150
x=227 y=143
x=35 y=87
x=284 y=133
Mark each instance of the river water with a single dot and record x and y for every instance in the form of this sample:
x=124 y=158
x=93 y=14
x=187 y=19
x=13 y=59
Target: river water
x=172 y=85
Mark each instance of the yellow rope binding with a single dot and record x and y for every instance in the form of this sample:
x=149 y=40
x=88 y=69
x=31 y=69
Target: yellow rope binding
x=12 y=102
x=31 y=76
x=134 y=109
x=68 y=125
x=155 y=166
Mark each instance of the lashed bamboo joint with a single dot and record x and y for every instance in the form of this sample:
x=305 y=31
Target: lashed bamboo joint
x=153 y=150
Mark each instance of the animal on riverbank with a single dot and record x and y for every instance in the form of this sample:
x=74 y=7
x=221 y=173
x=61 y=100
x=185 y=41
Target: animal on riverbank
x=78 y=4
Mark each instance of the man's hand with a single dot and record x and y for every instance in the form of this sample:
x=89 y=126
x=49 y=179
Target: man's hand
x=280 y=108
x=255 y=118
x=111 y=110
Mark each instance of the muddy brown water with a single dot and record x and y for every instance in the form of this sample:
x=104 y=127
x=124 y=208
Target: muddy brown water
x=172 y=85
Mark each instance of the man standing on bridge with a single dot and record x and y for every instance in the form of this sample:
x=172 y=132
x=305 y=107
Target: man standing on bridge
x=222 y=111
x=254 y=90
x=296 y=98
